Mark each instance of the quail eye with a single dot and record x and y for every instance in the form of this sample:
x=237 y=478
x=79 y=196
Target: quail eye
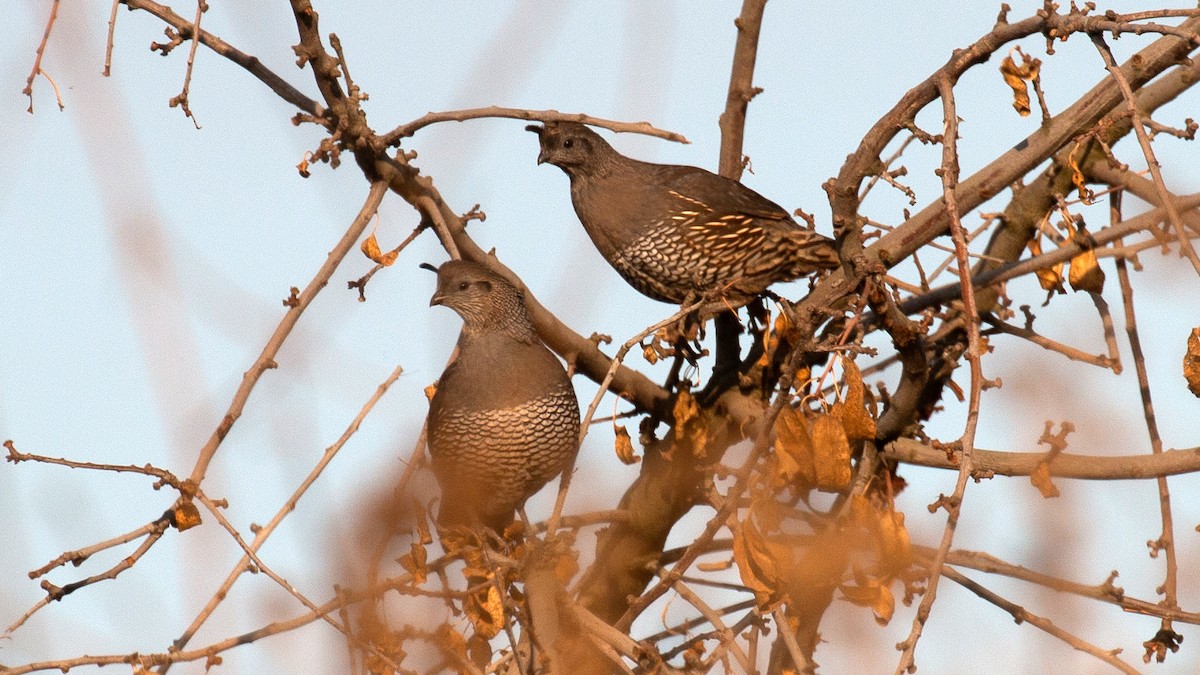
x=569 y=143
x=464 y=285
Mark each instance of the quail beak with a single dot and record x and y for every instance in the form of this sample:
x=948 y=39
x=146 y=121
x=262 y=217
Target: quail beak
x=437 y=299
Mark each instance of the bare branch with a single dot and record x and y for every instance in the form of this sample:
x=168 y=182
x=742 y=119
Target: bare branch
x=986 y=463
x=407 y=129
x=251 y=63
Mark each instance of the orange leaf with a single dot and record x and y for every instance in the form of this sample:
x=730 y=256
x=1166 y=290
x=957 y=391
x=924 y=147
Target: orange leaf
x=831 y=454
x=451 y=641
x=873 y=593
x=1015 y=77
x=1040 y=477
x=1050 y=278
x=185 y=516
x=852 y=411
x=370 y=248
x=690 y=428
x=566 y=565
x=762 y=564
x=413 y=562
x=793 y=448
x=625 y=451
x=714 y=566
x=649 y=353
x=1078 y=178
x=486 y=611
x=422 y=519
x=1191 y=362
x=895 y=547
x=1085 y=274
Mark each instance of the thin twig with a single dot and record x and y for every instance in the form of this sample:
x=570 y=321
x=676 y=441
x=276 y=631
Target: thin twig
x=409 y=128
x=728 y=637
x=1044 y=342
x=37 y=62
x=789 y=640
x=296 y=306
x=164 y=477
x=1110 y=334
x=251 y=63
x=1105 y=592
x=261 y=536
x=1166 y=540
x=949 y=173
x=1139 y=129
x=1020 y=615
x=181 y=99
x=108 y=45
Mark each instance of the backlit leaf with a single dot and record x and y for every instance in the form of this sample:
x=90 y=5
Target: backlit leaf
x=1191 y=362
x=1015 y=77
x=1040 y=477
x=624 y=448
x=831 y=454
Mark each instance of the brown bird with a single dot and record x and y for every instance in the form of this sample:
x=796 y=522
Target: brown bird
x=677 y=231
x=504 y=419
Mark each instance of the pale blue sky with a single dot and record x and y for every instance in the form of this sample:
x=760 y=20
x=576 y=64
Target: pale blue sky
x=142 y=265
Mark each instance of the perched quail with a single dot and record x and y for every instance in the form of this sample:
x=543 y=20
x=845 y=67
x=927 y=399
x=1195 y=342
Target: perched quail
x=504 y=419
x=671 y=230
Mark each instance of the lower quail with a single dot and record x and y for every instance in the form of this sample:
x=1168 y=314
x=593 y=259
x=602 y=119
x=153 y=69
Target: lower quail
x=504 y=419
x=678 y=231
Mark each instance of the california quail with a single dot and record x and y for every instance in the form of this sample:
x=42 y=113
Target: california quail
x=671 y=230
x=504 y=419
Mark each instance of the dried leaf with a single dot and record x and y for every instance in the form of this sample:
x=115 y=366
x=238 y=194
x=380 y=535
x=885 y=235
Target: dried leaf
x=693 y=658
x=1040 y=477
x=690 y=428
x=793 y=448
x=1078 y=178
x=715 y=566
x=772 y=336
x=1050 y=278
x=1085 y=274
x=414 y=561
x=452 y=642
x=762 y=564
x=1015 y=77
x=485 y=609
x=852 y=411
x=422 y=518
x=370 y=248
x=831 y=454
x=650 y=354
x=625 y=451
x=895 y=546
x=870 y=592
x=185 y=516
x=1191 y=362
